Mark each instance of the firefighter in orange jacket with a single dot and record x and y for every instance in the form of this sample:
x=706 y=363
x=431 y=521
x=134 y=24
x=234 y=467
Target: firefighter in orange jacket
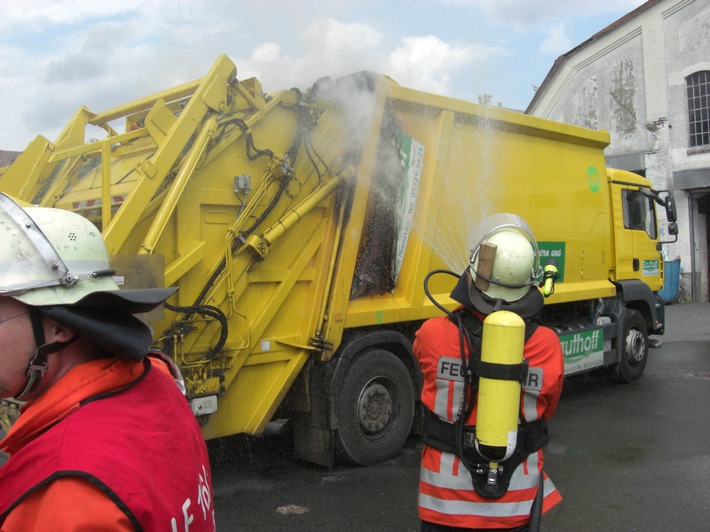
x=452 y=491
x=105 y=439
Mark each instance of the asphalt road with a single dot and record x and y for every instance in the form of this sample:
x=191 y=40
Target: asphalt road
x=637 y=457
x=632 y=457
x=625 y=458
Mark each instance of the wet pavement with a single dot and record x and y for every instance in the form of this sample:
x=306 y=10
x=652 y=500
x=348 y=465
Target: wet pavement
x=637 y=456
x=625 y=457
x=632 y=457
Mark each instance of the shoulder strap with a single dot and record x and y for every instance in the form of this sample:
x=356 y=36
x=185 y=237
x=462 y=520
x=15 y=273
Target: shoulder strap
x=470 y=321
x=473 y=331
x=530 y=328
x=474 y=326
x=532 y=436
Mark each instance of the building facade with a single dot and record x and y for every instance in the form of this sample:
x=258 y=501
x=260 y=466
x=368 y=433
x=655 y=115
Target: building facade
x=646 y=79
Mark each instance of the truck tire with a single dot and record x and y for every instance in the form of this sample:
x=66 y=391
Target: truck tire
x=375 y=408
x=634 y=347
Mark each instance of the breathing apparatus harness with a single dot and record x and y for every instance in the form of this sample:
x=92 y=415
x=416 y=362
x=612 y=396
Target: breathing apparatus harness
x=459 y=438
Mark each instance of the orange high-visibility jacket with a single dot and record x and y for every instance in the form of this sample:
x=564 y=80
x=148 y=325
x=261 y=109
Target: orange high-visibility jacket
x=446 y=493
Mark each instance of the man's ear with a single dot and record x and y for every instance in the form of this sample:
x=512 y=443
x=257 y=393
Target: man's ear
x=56 y=332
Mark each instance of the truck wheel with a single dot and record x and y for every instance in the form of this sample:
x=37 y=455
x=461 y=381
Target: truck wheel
x=634 y=347
x=375 y=408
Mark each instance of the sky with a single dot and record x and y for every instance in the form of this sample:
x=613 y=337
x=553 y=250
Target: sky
x=59 y=55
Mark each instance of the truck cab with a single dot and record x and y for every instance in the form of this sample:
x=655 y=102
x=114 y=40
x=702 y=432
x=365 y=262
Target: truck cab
x=636 y=232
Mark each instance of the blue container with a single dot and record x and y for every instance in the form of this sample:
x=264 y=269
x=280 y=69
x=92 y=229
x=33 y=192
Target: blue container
x=671 y=275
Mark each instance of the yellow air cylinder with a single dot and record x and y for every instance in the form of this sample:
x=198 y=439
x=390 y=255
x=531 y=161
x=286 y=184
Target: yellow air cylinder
x=499 y=400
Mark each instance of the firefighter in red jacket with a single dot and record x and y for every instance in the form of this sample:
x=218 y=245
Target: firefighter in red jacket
x=453 y=491
x=106 y=439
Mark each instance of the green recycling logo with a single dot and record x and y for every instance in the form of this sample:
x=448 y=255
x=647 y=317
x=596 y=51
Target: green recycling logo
x=593 y=179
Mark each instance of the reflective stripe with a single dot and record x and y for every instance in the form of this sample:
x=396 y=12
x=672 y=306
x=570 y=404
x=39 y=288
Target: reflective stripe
x=489 y=508
x=441 y=403
x=548 y=487
x=446 y=478
x=448 y=463
x=446 y=404
x=521 y=481
x=532 y=393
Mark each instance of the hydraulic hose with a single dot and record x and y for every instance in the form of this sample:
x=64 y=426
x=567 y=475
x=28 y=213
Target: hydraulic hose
x=205 y=310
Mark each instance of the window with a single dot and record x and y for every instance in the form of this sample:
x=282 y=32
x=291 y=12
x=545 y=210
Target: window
x=639 y=213
x=699 y=108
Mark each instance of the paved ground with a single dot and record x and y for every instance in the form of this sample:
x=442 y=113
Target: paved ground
x=637 y=457
x=625 y=457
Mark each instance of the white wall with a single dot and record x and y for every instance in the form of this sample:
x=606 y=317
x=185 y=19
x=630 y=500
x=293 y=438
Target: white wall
x=631 y=81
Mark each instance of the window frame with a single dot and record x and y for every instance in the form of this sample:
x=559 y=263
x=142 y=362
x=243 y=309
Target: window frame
x=698 y=100
x=639 y=212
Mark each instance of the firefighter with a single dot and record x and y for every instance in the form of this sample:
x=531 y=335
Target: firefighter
x=456 y=490
x=105 y=439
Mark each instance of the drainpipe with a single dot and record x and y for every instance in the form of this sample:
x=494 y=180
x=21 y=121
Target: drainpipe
x=691 y=220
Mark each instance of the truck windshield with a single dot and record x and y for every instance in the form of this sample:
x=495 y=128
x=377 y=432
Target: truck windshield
x=639 y=213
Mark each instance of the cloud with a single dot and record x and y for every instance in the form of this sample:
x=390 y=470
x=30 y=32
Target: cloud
x=426 y=63
x=526 y=13
x=327 y=47
x=56 y=55
x=556 y=41
x=334 y=40
x=336 y=48
x=40 y=14
x=269 y=52
x=99 y=55
x=102 y=58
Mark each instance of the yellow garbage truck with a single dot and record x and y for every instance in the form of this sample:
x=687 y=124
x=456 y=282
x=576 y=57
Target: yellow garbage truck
x=299 y=227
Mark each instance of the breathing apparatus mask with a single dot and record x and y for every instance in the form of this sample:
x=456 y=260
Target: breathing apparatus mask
x=55 y=261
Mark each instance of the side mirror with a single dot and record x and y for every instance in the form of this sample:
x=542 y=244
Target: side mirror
x=671 y=212
x=673 y=228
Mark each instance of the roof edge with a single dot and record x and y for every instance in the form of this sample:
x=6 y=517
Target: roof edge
x=561 y=60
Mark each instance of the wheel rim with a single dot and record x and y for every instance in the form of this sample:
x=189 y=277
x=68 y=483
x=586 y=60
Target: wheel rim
x=635 y=346
x=374 y=406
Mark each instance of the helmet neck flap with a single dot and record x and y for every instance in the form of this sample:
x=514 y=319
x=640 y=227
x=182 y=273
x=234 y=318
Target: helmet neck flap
x=466 y=293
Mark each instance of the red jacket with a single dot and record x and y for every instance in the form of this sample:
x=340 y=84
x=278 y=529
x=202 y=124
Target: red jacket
x=121 y=439
x=446 y=494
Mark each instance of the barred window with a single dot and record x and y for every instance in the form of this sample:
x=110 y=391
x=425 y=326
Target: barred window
x=699 y=108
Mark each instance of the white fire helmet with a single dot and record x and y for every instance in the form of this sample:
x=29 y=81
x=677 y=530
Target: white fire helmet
x=57 y=257
x=517 y=261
